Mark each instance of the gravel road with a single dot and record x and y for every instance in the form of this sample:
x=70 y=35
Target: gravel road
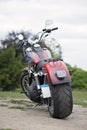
x=38 y=118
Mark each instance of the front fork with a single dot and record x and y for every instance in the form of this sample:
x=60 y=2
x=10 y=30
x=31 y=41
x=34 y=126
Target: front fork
x=37 y=81
x=35 y=75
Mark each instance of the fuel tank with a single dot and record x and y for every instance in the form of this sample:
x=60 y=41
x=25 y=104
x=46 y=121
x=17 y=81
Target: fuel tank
x=34 y=58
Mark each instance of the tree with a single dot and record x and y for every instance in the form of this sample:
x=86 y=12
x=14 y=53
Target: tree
x=12 y=39
x=58 y=51
x=10 y=66
x=10 y=69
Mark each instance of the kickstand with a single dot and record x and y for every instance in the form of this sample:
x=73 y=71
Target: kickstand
x=38 y=104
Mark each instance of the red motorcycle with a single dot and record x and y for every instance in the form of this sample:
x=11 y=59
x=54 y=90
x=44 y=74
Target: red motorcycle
x=46 y=80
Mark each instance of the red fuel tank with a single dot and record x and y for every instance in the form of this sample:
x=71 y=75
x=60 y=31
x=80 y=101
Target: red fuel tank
x=34 y=58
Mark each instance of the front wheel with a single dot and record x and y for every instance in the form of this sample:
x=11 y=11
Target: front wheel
x=25 y=83
x=61 y=101
x=29 y=87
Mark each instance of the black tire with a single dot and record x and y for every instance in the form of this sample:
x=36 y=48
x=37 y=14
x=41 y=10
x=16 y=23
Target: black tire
x=25 y=84
x=29 y=87
x=61 y=101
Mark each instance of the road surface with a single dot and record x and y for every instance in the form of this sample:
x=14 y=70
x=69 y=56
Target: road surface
x=38 y=118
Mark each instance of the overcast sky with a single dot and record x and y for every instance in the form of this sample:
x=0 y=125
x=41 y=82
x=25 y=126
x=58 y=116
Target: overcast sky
x=69 y=15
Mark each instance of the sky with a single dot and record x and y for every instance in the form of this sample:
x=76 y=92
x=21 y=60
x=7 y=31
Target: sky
x=69 y=15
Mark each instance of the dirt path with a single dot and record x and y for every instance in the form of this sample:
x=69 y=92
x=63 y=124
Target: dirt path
x=39 y=119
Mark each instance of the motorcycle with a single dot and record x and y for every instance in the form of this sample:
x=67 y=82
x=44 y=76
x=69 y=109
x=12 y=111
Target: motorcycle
x=46 y=80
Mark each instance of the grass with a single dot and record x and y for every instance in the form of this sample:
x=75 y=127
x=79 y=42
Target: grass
x=3 y=105
x=17 y=107
x=14 y=101
x=79 y=97
x=5 y=95
x=21 y=104
x=5 y=129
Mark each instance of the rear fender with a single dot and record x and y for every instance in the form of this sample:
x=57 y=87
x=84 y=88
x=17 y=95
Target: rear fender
x=52 y=68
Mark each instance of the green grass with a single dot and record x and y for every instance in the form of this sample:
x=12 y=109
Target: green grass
x=17 y=101
x=80 y=97
x=17 y=107
x=3 y=105
x=4 y=95
x=5 y=129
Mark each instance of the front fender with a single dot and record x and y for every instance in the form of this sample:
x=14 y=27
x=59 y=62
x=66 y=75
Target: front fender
x=51 y=69
x=25 y=70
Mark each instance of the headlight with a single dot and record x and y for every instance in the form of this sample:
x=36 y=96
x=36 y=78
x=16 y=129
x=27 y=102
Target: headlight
x=29 y=49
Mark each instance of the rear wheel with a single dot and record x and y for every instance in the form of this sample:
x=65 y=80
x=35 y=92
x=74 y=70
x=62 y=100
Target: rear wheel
x=61 y=102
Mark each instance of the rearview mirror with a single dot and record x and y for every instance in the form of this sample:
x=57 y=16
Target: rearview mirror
x=48 y=23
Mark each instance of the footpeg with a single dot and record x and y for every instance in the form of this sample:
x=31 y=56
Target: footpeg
x=23 y=92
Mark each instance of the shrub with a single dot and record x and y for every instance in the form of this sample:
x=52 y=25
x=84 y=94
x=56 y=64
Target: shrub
x=79 y=79
x=10 y=69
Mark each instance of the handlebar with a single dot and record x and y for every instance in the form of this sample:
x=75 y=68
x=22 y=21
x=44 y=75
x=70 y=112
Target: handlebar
x=23 y=42
x=54 y=28
x=49 y=30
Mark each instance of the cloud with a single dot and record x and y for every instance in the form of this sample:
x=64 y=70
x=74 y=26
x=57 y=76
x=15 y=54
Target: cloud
x=74 y=52
x=70 y=17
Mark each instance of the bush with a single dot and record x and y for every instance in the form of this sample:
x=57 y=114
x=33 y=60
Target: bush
x=79 y=79
x=10 y=69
